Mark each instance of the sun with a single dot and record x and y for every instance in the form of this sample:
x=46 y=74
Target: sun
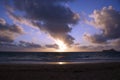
x=61 y=45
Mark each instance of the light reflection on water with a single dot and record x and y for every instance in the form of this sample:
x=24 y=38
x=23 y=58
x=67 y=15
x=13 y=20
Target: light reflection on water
x=66 y=63
x=62 y=63
x=59 y=63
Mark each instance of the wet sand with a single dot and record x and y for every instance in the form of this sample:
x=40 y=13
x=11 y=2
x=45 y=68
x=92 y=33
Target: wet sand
x=84 y=71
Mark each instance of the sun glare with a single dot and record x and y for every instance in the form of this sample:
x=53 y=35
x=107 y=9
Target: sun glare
x=61 y=63
x=62 y=46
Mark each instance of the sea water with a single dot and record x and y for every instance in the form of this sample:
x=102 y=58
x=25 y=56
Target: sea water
x=49 y=57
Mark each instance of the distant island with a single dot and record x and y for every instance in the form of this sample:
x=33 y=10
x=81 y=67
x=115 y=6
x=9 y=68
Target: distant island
x=110 y=50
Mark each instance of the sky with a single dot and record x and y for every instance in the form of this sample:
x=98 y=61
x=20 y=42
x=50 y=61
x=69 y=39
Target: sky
x=59 y=25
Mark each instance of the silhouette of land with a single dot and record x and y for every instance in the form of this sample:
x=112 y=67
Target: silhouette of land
x=111 y=50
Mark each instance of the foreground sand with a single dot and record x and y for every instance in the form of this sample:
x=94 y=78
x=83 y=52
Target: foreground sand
x=88 y=71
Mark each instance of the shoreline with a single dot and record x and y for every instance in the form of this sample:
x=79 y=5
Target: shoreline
x=85 y=71
x=61 y=65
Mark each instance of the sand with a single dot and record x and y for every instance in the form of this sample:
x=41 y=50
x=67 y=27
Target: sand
x=86 y=71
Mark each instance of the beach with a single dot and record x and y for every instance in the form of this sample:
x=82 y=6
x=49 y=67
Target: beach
x=79 y=71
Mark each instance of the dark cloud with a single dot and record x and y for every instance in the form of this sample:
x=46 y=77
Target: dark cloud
x=7 y=45
x=52 y=17
x=108 y=21
x=96 y=47
x=97 y=38
x=20 y=45
x=52 y=46
x=9 y=32
x=2 y=21
x=28 y=45
x=91 y=48
x=21 y=20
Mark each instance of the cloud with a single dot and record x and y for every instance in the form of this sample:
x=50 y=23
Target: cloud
x=115 y=43
x=19 y=19
x=2 y=21
x=7 y=45
x=21 y=44
x=55 y=46
x=52 y=17
x=28 y=45
x=91 y=48
x=108 y=21
x=9 y=32
x=98 y=47
x=96 y=38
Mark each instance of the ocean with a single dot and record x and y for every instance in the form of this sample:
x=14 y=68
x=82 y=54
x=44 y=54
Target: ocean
x=57 y=57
